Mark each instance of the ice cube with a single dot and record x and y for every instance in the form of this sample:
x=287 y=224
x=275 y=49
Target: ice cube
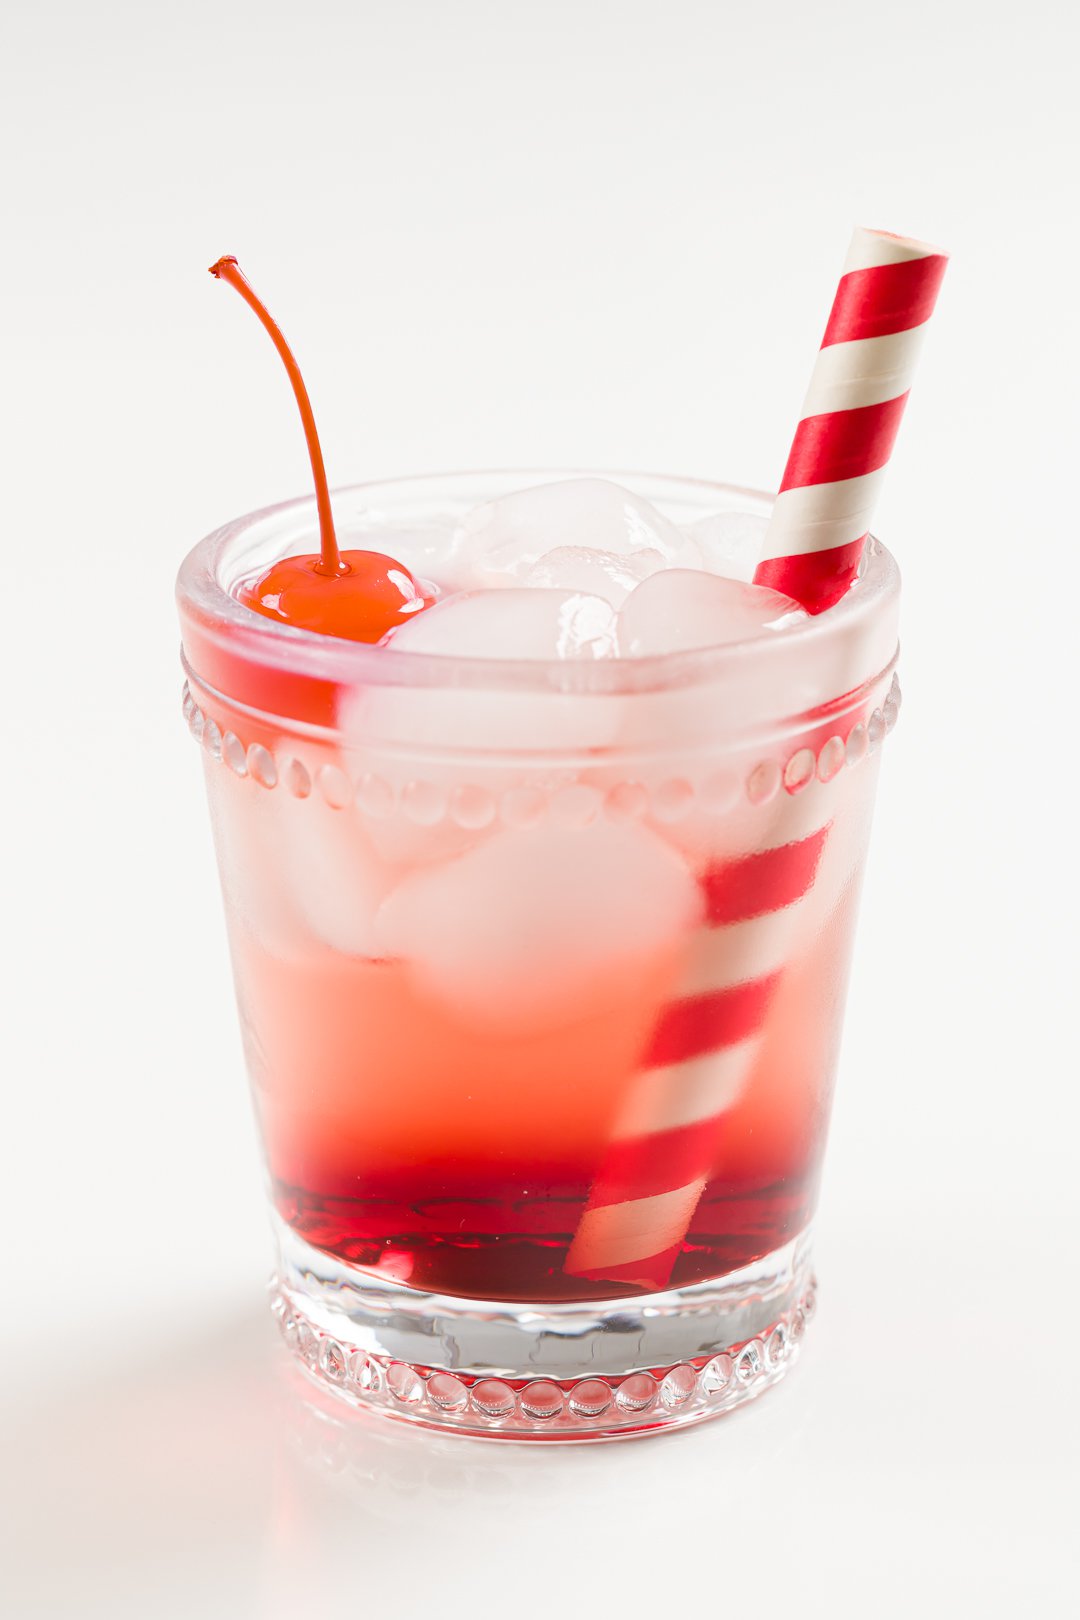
x=239 y=808
x=513 y=624
x=326 y=863
x=293 y=868
x=682 y=609
x=730 y=542
x=402 y=730
x=600 y=573
x=537 y=928
x=429 y=550
x=506 y=538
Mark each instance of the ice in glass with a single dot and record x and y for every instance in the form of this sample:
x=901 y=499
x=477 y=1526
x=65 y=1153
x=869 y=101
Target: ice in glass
x=540 y=808
x=540 y=912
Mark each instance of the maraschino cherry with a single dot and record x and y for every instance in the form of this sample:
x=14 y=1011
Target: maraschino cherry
x=358 y=595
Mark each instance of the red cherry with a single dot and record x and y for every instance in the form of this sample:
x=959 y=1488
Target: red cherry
x=358 y=595
x=369 y=596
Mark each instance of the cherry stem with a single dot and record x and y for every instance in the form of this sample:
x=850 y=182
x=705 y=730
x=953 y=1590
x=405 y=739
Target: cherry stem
x=330 y=561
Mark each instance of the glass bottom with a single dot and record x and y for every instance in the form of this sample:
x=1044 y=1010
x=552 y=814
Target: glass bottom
x=583 y=1371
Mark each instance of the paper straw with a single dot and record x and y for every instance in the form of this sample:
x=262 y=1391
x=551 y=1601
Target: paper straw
x=706 y=1042
x=850 y=418
x=762 y=906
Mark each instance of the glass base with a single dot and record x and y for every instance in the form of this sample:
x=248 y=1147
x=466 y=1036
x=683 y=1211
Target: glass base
x=588 y=1371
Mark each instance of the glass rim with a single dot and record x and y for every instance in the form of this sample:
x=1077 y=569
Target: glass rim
x=201 y=593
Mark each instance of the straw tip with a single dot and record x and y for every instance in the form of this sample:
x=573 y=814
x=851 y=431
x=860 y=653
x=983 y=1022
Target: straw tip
x=218 y=267
x=890 y=246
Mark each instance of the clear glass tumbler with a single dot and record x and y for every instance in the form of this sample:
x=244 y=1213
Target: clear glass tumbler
x=540 y=969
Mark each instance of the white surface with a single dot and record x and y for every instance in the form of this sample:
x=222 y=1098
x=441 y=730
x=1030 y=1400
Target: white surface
x=505 y=233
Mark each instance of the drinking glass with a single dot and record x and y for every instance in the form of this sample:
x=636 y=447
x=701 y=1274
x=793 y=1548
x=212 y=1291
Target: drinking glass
x=540 y=968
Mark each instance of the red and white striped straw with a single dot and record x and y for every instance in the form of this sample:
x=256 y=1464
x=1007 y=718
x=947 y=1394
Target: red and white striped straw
x=702 y=1052
x=703 y=1049
x=850 y=417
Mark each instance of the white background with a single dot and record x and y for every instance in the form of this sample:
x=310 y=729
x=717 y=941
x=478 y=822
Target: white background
x=522 y=233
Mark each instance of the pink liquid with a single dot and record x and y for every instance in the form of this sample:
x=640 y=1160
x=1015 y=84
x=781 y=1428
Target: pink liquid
x=402 y=1140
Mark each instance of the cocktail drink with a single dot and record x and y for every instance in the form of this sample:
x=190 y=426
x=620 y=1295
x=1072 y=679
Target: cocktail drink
x=540 y=896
